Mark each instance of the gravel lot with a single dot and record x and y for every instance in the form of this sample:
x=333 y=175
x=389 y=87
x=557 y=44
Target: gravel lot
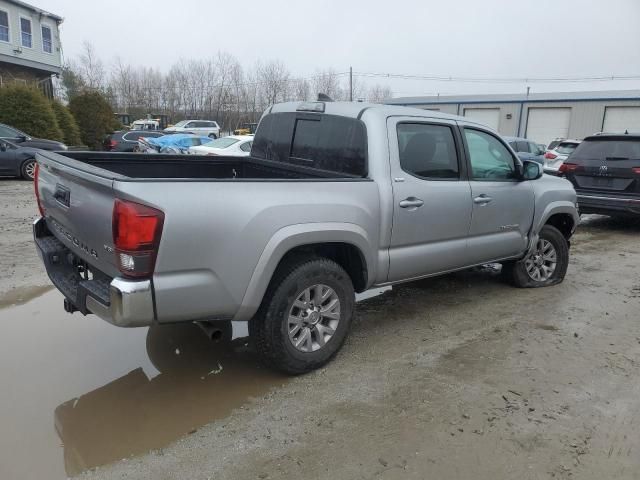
x=456 y=377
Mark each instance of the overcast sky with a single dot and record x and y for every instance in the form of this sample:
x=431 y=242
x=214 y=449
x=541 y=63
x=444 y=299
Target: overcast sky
x=461 y=38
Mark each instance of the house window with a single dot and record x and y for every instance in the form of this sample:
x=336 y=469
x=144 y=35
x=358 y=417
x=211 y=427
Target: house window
x=4 y=26
x=47 y=42
x=25 y=32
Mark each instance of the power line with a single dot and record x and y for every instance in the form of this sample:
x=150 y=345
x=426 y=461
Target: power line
x=448 y=78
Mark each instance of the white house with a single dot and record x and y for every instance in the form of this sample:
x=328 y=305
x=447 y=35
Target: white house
x=30 y=49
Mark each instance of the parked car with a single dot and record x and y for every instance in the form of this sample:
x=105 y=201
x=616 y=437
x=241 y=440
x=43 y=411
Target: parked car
x=283 y=238
x=147 y=124
x=232 y=146
x=555 y=157
x=18 y=137
x=554 y=143
x=605 y=171
x=17 y=160
x=174 y=144
x=206 y=128
x=246 y=129
x=526 y=149
x=127 y=140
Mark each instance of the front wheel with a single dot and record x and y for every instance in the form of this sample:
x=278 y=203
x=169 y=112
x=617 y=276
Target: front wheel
x=28 y=169
x=304 y=317
x=546 y=265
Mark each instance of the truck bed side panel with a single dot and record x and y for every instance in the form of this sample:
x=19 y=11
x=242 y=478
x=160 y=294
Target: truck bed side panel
x=215 y=233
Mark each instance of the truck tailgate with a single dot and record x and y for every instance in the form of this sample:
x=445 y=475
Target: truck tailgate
x=78 y=202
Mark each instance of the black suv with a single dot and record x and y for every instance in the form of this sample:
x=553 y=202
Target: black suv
x=126 y=140
x=605 y=171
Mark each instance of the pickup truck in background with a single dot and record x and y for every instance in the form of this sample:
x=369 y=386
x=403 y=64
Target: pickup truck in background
x=336 y=198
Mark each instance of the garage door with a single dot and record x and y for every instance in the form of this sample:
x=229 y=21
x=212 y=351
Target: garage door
x=619 y=119
x=486 y=116
x=545 y=124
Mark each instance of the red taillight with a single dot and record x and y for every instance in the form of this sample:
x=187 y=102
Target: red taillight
x=636 y=170
x=111 y=144
x=136 y=235
x=568 y=167
x=550 y=156
x=36 y=175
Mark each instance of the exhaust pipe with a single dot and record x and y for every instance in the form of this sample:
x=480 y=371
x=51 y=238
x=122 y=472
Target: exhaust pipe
x=213 y=330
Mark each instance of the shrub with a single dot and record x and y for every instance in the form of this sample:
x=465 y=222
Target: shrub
x=27 y=109
x=66 y=122
x=94 y=117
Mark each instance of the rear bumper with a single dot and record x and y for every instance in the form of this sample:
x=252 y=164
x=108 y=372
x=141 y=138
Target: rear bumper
x=125 y=303
x=608 y=205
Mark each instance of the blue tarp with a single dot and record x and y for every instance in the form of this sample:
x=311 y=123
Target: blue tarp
x=182 y=141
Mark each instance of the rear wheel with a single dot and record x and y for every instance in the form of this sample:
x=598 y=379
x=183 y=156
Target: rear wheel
x=213 y=135
x=28 y=169
x=546 y=265
x=305 y=315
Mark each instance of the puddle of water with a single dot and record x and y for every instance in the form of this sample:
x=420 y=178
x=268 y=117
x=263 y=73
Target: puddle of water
x=20 y=296
x=78 y=392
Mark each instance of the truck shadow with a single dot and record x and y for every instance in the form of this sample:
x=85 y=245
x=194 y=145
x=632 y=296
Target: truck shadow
x=198 y=382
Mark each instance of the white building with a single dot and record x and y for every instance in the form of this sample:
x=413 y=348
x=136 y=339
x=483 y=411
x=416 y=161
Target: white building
x=542 y=117
x=30 y=49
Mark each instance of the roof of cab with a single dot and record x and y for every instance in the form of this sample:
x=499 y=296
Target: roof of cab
x=356 y=109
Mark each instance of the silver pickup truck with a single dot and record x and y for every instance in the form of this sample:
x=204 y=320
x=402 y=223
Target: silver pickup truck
x=335 y=198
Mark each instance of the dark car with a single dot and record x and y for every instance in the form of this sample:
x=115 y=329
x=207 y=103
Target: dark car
x=127 y=140
x=526 y=149
x=605 y=171
x=17 y=161
x=22 y=139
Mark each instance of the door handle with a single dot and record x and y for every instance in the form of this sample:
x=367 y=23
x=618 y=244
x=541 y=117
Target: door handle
x=411 y=202
x=482 y=199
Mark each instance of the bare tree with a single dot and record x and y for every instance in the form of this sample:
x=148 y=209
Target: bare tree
x=91 y=68
x=327 y=82
x=378 y=93
x=274 y=78
x=218 y=88
x=300 y=89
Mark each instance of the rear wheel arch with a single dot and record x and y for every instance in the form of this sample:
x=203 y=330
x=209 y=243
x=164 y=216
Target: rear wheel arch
x=347 y=255
x=347 y=244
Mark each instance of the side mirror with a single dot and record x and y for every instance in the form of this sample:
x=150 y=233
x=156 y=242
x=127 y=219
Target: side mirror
x=3 y=147
x=531 y=170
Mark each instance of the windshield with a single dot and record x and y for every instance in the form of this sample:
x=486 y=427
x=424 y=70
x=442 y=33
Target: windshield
x=181 y=123
x=225 y=142
x=566 y=148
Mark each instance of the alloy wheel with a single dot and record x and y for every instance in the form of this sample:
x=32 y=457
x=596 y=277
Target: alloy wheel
x=313 y=318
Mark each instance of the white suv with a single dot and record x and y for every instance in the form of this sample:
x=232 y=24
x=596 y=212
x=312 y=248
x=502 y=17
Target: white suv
x=205 y=128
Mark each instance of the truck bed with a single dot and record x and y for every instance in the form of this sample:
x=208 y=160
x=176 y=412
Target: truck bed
x=139 y=166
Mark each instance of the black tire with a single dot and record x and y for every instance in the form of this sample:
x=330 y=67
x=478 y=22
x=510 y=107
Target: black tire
x=269 y=329
x=27 y=169
x=516 y=272
x=213 y=135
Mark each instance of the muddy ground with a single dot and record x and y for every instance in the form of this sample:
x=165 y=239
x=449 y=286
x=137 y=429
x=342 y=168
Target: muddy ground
x=459 y=377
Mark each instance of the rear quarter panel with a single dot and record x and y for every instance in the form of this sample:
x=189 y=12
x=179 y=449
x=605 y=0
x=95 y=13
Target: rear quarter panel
x=215 y=234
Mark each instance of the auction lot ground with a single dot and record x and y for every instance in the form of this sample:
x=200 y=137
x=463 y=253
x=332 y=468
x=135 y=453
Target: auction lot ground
x=451 y=378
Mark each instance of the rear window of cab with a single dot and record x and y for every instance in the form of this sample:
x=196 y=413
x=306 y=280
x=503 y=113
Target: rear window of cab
x=327 y=142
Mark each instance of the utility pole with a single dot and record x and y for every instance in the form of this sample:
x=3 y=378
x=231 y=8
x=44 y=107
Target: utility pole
x=351 y=84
